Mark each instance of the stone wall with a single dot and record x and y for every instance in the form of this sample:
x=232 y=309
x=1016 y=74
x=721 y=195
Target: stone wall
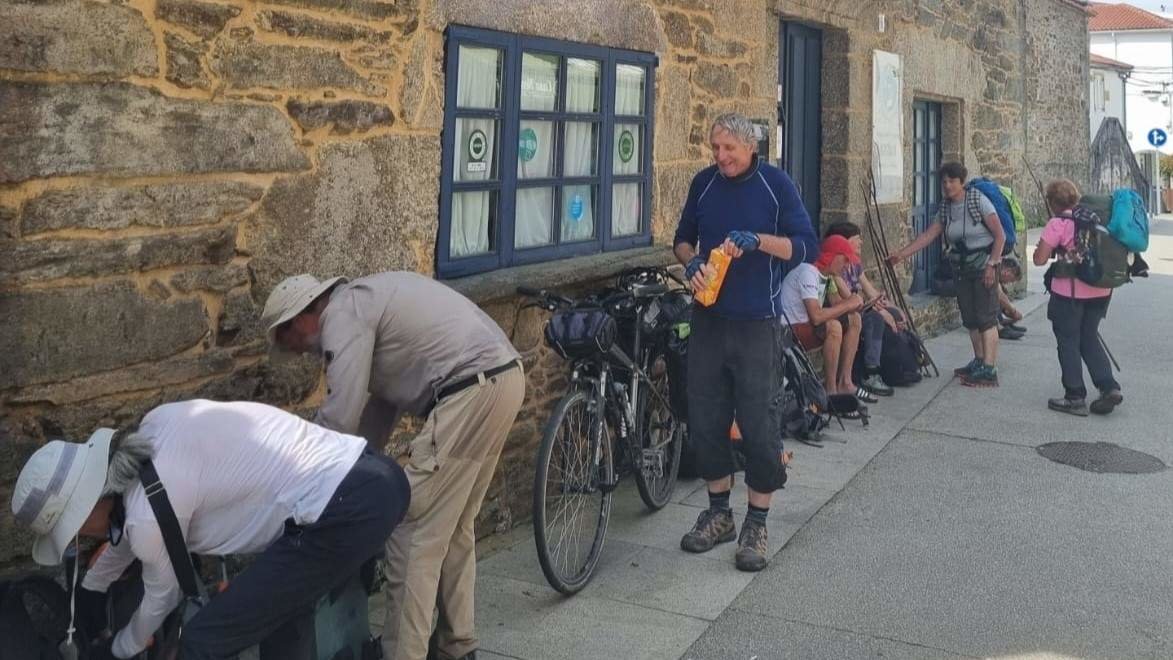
x=163 y=163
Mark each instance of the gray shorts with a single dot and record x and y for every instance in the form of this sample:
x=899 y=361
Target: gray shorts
x=978 y=303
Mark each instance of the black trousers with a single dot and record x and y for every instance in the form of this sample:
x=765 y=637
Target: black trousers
x=735 y=369
x=304 y=564
x=1076 y=324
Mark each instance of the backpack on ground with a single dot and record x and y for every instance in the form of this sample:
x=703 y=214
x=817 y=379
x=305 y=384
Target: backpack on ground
x=34 y=616
x=899 y=361
x=993 y=192
x=804 y=399
x=1129 y=222
x=1096 y=259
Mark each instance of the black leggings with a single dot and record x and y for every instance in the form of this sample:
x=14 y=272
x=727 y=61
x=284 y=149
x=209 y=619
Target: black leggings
x=734 y=369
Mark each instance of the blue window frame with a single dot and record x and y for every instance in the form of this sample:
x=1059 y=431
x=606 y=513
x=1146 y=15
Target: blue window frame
x=926 y=191
x=547 y=151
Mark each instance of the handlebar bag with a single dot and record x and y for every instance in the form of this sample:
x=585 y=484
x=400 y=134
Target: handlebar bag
x=581 y=333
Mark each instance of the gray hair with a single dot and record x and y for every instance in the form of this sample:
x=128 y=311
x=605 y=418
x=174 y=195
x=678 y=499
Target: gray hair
x=130 y=450
x=738 y=126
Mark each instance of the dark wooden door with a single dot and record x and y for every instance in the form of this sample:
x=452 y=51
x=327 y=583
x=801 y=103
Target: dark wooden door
x=800 y=109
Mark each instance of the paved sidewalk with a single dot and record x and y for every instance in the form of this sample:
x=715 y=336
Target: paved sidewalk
x=935 y=532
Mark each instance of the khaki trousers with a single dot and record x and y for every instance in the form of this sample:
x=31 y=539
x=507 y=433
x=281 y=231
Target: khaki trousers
x=431 y=556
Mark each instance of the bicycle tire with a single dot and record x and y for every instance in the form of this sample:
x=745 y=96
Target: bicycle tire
x=653 y=414
x=568 y=568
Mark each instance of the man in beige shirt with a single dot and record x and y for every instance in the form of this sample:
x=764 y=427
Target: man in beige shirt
x=396 y=343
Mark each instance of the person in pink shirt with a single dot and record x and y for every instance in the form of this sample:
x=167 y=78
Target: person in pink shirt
x=1075 y=311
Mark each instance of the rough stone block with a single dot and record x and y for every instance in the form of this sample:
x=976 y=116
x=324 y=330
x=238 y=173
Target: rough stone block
x=720 y=80
x=203 y=18
x=673 y=98
x=280 y=383
x=55 y=334
x=183 y=62
x=145 y=376
x=677 y=29
x=163 y=205
x=356 y=214
x=8 y=218
x=377 y=9
x=342 y=116
x=68 y=36
x=298 y=25
x=31 y=261
x=124 y=130
x=247 y=65
x=220 y=279
x=379 y=58
x=712 y=46
x=240 y=321
x=633 y=24
x=423 y=92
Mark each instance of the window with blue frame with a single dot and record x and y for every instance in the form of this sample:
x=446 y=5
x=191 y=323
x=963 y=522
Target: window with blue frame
x=926 y=190
x=547 y=150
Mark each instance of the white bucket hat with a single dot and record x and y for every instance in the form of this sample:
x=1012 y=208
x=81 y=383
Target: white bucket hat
x=291 y=297
x=57 y=490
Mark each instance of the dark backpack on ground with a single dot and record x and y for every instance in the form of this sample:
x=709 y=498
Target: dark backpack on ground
x=899 y=361
x=34 y=616
x=804 y=399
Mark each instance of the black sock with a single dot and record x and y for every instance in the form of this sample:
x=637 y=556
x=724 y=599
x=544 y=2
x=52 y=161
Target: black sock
x=757 y=514
x=719 y=501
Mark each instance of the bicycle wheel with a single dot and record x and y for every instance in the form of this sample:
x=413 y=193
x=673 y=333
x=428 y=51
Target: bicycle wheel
x=572 y=494
x=660 y=438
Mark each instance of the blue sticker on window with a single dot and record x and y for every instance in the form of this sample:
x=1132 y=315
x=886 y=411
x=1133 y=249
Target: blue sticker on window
x=576 y=208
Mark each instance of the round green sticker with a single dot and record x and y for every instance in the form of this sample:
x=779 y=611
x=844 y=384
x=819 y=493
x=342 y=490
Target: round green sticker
x=626 y=146
x=478 y=146
x=527 y=145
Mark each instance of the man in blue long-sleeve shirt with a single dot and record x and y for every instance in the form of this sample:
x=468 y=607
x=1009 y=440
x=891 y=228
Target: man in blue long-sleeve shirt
x=752 y=211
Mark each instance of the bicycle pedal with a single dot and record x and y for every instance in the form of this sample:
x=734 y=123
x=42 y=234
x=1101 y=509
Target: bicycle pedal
x=606 y=487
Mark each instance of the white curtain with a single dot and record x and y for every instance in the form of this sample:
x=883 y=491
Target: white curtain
x=476 y=88
x=581 y=150
x=535 y=152
x=625 y=197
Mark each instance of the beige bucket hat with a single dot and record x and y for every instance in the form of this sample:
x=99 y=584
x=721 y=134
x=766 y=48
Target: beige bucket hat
x=291 y=297
x=57 y=490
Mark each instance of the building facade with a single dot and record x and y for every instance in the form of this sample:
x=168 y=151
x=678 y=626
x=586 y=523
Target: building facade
x=1107 y=92
x=163 y=163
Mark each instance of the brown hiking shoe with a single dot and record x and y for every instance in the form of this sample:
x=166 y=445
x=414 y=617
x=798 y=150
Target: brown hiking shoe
x=752 y=547
x=1107 y=402
x=712 y=527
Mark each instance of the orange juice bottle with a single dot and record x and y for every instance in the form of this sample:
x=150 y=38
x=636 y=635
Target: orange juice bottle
x=719 y=261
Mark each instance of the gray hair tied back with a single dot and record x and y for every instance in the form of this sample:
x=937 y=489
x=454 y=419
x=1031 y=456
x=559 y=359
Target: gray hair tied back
x=128 y=451
x=738 y=126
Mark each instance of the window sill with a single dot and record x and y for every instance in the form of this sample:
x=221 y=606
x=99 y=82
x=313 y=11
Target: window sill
x=502 y=284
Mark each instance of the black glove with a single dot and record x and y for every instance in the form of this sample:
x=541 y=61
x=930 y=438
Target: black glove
x=91 y=612
x=693 y=267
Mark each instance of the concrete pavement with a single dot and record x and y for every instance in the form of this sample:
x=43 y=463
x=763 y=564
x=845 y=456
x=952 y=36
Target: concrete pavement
x=937 y=532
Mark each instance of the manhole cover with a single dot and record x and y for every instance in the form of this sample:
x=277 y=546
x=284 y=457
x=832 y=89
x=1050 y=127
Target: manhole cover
x=1101 y=457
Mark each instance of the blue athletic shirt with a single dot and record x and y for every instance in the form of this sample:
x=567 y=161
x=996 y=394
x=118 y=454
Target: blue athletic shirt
x=763 y=200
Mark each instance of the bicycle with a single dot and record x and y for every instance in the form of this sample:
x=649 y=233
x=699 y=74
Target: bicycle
x=615 y=417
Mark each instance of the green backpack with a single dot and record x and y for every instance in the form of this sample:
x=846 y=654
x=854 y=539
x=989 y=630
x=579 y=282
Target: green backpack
x=1015 y=210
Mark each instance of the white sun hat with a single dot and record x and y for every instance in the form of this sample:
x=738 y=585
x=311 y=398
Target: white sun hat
x=291 y=297
x=57 y=490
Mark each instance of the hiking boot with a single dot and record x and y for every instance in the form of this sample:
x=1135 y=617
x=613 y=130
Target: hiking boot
x=1009 y=332
x=983 y=376
x=967 y=369
x=1107 y=402
x=876 y=385
x=712 y=527
x=1077 y=407
x=752 y=546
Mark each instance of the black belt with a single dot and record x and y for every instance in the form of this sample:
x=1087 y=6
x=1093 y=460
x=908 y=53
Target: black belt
x=465 y=383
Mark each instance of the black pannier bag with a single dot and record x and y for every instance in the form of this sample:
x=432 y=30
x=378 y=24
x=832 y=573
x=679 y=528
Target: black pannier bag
x=579 y=333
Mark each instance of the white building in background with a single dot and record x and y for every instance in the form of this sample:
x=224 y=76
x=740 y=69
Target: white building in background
x=1108 y=79
x=1144 y=40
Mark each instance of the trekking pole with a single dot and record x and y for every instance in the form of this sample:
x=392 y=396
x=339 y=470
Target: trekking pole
x=1108 y=351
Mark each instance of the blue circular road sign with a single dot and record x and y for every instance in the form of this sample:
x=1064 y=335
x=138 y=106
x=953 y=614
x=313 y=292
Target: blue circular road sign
x=1158 y=137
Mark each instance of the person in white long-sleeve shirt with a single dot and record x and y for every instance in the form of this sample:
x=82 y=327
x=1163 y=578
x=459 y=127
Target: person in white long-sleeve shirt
x=242 y=478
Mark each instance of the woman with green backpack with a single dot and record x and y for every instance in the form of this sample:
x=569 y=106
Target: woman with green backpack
x=1075 y=309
